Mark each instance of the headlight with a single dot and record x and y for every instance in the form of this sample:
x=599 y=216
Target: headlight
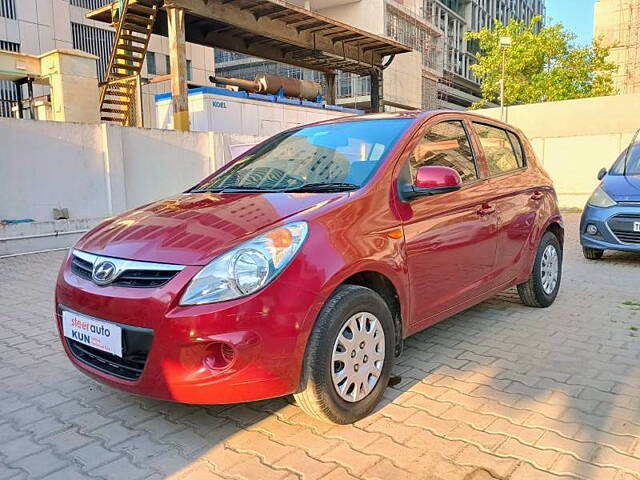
x=247 y=268
x=599 y=198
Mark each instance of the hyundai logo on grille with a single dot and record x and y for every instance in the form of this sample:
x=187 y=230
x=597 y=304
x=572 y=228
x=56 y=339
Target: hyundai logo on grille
x=103 y=272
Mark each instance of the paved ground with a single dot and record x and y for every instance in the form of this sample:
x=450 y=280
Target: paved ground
x=500 y=391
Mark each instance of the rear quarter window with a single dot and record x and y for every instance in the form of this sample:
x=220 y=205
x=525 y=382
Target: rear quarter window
x=518 y=150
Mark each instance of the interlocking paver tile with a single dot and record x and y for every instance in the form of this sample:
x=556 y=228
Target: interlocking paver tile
x=40 y=464
x=499 y=391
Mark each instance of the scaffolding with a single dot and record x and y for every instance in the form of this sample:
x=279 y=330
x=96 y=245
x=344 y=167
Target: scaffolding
x=618 y=23
x=630 y=43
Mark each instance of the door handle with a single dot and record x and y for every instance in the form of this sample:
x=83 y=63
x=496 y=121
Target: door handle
x=486 y=209
x=537 y=195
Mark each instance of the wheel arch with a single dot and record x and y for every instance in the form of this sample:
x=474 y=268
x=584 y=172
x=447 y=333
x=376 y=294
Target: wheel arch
x=557 y=229
x=384 y=287
x=554 y=225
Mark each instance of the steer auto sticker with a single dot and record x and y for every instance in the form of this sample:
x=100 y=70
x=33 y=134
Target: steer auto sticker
x=100 y=335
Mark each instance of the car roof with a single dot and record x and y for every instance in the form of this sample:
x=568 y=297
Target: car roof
x=416 y=115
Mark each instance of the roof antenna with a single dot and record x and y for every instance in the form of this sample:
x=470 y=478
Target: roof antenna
x=626 y=155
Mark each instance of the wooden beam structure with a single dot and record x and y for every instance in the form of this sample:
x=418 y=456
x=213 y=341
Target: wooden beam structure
x=178 y=63
x=277 y=30
x=330 y=79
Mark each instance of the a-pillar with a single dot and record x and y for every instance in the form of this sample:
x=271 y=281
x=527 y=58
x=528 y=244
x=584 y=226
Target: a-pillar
x=178 y=61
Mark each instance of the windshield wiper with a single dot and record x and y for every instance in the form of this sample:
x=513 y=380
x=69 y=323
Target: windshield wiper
x=235 y=188
x=324 y=187
x=306 y=187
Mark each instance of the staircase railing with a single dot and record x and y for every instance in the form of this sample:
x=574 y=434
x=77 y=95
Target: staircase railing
x=120 y=94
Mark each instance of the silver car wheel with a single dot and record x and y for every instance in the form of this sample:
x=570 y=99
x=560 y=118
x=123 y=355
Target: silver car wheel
x=358 y=357
x=549 y=269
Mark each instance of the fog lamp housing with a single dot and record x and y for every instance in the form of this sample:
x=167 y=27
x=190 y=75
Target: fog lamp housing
x=592 y=229
x=219 y=356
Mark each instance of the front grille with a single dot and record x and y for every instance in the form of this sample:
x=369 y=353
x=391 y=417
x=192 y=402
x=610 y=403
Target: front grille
x=132 y=273
x=81 y=267
x=136 y=343
x=622 y=227
x=143 y=278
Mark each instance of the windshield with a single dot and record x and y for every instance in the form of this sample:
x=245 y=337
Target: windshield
x=633 y=162
x=338 y=156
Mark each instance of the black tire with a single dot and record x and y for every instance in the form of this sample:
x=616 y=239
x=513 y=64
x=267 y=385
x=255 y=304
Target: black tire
x=592 y=253
x=318 y=396
x=532 y=292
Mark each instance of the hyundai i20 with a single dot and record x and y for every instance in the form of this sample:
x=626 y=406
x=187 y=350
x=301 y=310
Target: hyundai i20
x=301 y=266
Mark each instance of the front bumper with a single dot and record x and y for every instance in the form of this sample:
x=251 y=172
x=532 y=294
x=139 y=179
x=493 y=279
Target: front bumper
x=614 y=228
x=266 y=334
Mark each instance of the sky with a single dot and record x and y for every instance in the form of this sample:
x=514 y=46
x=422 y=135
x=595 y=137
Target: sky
x=575 y=15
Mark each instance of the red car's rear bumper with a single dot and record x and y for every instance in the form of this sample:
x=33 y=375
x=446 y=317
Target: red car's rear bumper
x=236 y=351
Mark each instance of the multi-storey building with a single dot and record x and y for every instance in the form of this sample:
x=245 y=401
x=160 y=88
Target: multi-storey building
x=38 y=26
x=437 y=74
x=618 y=23
x=460 y=87
x=434 y=28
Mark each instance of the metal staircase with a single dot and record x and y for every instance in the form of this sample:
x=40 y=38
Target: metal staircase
x=120 y=100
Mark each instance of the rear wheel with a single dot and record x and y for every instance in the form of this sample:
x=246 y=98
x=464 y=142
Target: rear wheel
x=592 y=253
x=542 y=287
x=349 y=356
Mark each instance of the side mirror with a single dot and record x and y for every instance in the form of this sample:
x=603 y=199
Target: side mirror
x=433 y=181
x=602 y=173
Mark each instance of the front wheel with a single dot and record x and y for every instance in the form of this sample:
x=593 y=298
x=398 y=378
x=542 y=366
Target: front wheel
x=349 y=356
x=592 y=253
x=541 y=289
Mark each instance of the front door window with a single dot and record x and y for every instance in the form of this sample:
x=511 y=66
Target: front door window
x=445 y=144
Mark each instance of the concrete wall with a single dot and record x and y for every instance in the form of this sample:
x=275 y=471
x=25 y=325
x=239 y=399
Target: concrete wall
x=402 y=84
x=366 y=15
x=575 y=138
x=95 y=171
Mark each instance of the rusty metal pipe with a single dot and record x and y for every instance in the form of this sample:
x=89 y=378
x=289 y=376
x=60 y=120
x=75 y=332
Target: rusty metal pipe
x=271 y=84
x=248 y=85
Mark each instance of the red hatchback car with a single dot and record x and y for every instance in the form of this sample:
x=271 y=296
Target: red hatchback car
x=301 y=266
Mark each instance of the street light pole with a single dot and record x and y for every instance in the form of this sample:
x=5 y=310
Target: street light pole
x=505 y=42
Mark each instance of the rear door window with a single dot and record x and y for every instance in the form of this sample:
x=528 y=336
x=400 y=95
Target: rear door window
x=502 y=154
x=445 y=144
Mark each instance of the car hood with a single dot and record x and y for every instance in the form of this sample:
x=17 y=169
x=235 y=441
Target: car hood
x=622 y=188
x=193 y=228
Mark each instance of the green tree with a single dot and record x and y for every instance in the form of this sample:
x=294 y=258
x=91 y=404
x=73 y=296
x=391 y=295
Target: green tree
x=542 y=65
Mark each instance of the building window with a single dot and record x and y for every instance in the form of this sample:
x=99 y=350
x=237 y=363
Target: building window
x=90 y=4
x=151 y=63
x=167 y=64
x=8 y=8
x=411 y=34
x=96 y=41
x=8 y=89
x=222 y=56
x=189 y=71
